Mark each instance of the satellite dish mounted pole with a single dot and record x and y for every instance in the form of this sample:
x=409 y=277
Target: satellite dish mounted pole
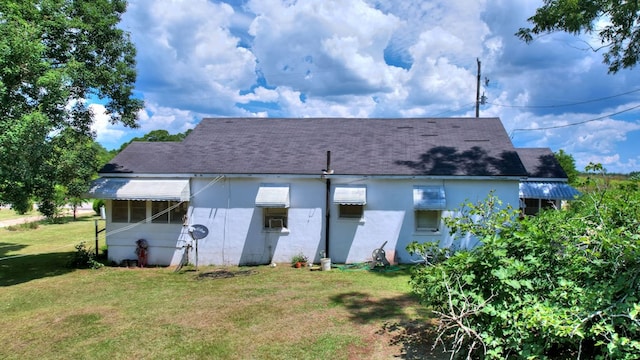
x=198 y=232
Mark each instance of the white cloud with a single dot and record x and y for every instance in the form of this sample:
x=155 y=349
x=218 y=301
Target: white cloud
x=187 y=55
x=312 y=46
x=106 y=133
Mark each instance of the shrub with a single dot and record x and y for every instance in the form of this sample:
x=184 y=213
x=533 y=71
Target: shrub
x=564 y=284
x=97 y=204
x=84 y=258
x=32 y=225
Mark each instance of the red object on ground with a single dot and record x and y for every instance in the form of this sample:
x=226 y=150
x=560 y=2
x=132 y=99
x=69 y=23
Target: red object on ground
x=142 y=250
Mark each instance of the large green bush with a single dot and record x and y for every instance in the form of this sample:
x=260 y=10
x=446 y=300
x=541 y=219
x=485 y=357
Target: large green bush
x=563 y=284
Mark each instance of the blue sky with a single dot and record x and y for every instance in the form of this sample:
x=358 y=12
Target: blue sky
x=378 y=58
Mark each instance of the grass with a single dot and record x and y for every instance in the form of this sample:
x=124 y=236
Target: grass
x=50 y=311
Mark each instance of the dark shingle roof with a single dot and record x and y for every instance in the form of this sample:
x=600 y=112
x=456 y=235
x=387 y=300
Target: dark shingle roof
x=439 y=146
x=541 y=163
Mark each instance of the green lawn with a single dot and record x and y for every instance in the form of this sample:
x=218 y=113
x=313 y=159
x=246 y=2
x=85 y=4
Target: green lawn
x=9 y=214
x=50 y=311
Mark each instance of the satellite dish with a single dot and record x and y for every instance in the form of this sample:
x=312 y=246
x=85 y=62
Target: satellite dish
x=198 y=231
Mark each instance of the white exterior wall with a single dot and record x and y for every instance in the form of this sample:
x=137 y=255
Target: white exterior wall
x=236 y=231
x=389 y=216
x=237 y=235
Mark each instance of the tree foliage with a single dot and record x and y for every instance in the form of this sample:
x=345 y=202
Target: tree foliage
x=157 y=135
x=54 y=55
x=615 y=21
x=568 y=164
x=563 y=284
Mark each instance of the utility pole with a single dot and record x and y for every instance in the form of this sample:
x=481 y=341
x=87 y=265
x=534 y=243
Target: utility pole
x=478 y=91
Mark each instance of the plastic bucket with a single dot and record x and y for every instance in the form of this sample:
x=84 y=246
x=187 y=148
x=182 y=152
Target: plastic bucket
x=325 y=264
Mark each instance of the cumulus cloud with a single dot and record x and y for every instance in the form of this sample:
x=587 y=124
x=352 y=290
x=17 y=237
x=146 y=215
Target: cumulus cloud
x=187 y=54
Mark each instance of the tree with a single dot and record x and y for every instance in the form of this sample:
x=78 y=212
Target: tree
x=619 y=30
x=157 y=135
x=568 y=164
x=54 y=55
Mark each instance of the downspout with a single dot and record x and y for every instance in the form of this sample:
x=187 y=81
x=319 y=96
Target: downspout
x=327 y=204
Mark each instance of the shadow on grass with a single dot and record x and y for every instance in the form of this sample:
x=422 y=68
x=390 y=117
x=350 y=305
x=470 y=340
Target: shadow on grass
x=6 y=248
x=416 y=338
x=390 y=271
x=21 y=269
x=365 y=308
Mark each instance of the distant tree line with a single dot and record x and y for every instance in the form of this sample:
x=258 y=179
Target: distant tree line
x=156 y=136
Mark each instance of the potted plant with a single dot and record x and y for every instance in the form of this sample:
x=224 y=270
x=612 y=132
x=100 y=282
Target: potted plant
x=299 y=260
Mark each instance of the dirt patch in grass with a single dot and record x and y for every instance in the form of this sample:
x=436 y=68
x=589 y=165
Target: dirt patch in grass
x=414 y=340
x=224 y=274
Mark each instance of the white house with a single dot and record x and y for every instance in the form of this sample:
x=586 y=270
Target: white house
x=267 y=189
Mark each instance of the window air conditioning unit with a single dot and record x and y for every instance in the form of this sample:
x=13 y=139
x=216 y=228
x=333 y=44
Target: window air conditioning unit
x=276 y=223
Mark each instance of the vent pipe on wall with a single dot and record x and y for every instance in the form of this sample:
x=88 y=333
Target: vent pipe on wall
x=327 y=219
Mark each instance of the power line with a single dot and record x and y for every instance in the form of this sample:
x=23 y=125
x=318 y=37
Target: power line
x=576 y=123
x=569 y=104
x=451 y=111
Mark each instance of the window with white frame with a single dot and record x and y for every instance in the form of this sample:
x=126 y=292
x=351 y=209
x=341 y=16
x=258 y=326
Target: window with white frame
x=275 y=218
x=134 y=211
x=428 y=220
x=351 y=200
x=349 y=211
x=428 y=203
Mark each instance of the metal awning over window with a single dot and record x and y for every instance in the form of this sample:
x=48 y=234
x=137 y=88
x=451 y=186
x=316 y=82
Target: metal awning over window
x=139 y=189
x=547 y=190
x=350 y=195
x=273 y=195
x=429 y=198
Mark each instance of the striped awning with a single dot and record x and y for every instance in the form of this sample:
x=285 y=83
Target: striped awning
x=350 y=195
x=139 y=189
x=273 y=195
x=547 y=190
x=429 y=198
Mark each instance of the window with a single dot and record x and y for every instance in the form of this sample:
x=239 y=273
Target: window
x=178 y=213
x=171 y=212
x=159 y=212
x=138 y=210
x=427 y=220
x=275 y=218
x=351 y=211
x=120 y=211
x=533 y=206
